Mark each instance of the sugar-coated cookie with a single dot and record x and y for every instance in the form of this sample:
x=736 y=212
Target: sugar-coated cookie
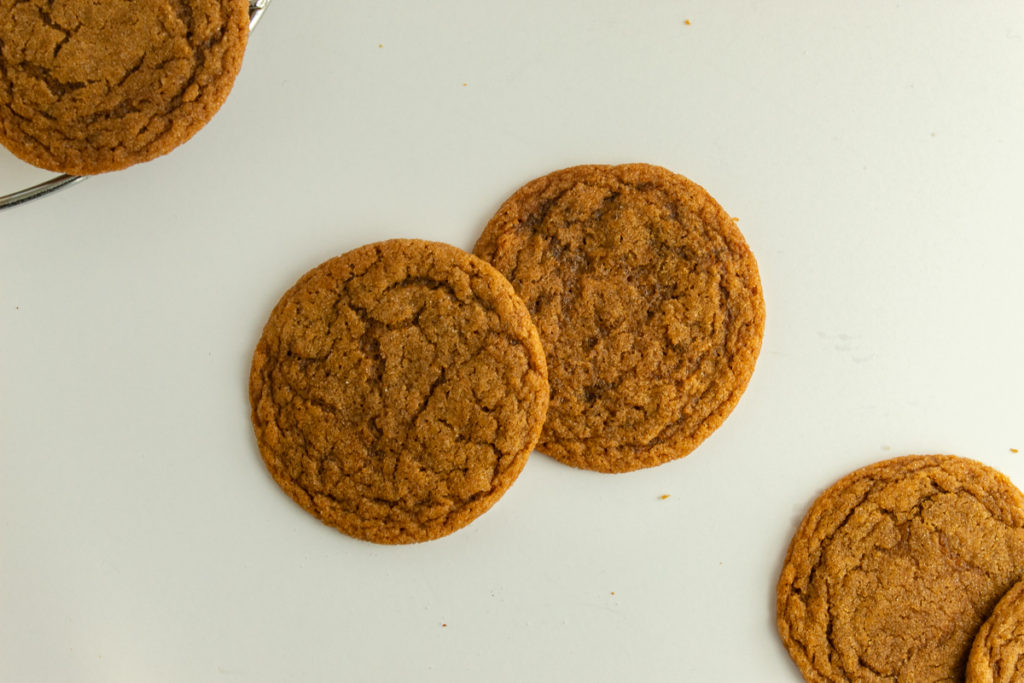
x=649 y=304
x=91 y=86
x=896 y=566
x=398 y=390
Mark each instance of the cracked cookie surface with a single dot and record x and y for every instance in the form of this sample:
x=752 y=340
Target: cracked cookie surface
x=895 y=567
x=649 y=304
x=997 y=655
x=398 y=390
x=89 y=86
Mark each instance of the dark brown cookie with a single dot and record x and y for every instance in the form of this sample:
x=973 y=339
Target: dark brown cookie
x=997 y=655
x=398 y=390
x=88 y=87
x=648 y=302
x=895 y=567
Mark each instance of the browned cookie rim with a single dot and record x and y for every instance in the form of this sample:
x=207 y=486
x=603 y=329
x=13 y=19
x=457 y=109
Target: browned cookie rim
x=79 y=141
x=804 y=556
x=481 y=285
x=518 y=216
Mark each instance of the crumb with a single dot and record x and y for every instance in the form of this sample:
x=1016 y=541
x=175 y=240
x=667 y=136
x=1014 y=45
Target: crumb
x=664 y=496
x=444 y=625
x=687 y=22
x=1014 y=450
x=464 y=85
x=613 y=592
x=380 y=44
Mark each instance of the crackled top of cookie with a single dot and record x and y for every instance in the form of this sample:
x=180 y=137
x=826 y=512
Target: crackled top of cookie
x=88 y=86
x=648 y=302
x=896 y=566
x=997 y=655
x=398 y=390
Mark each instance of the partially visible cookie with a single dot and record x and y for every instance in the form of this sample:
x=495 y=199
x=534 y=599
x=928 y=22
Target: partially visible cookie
x=649 y=304
x=997 y=655
x=398 y=390
x=88 y=87
x=896 y=566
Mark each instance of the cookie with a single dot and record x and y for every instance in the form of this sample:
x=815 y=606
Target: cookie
x=997 y=655
x=398 y=390
x=648 y=302
x=895 y=567
x=88 y=87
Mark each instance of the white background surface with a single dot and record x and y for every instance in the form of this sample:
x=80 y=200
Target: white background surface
x=873 y=153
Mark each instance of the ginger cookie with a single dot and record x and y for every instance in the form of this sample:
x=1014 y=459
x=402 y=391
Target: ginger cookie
x=648 y=302
x=997 y=655
x=398 y=390
x=895 y=567
x=88 y=87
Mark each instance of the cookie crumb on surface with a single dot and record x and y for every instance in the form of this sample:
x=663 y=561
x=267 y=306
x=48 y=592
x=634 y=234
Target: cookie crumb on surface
x=1014 y=450
x=687 y=22
x=664 y=496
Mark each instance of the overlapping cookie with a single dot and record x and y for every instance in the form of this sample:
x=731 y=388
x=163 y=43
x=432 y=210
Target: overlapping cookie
x=895 y=567
x=398 y=390
x=648 y=302
x=997 y=655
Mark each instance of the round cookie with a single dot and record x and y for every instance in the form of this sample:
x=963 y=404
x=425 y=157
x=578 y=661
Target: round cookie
x=398 y=390
x=895 y=567
x=648 y=302
x=88 y=87
x=997 y=655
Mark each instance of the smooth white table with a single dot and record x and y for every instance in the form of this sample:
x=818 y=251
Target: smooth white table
x=873 y=153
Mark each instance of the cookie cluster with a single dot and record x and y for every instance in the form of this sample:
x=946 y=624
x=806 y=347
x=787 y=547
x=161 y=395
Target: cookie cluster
x=908 y=570
x=610 y=316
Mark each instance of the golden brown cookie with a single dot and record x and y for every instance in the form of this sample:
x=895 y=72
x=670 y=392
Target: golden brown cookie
x=997 y=655
x=648 y=302
x=398 y=390
x=89 y=86
x=896 y=566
